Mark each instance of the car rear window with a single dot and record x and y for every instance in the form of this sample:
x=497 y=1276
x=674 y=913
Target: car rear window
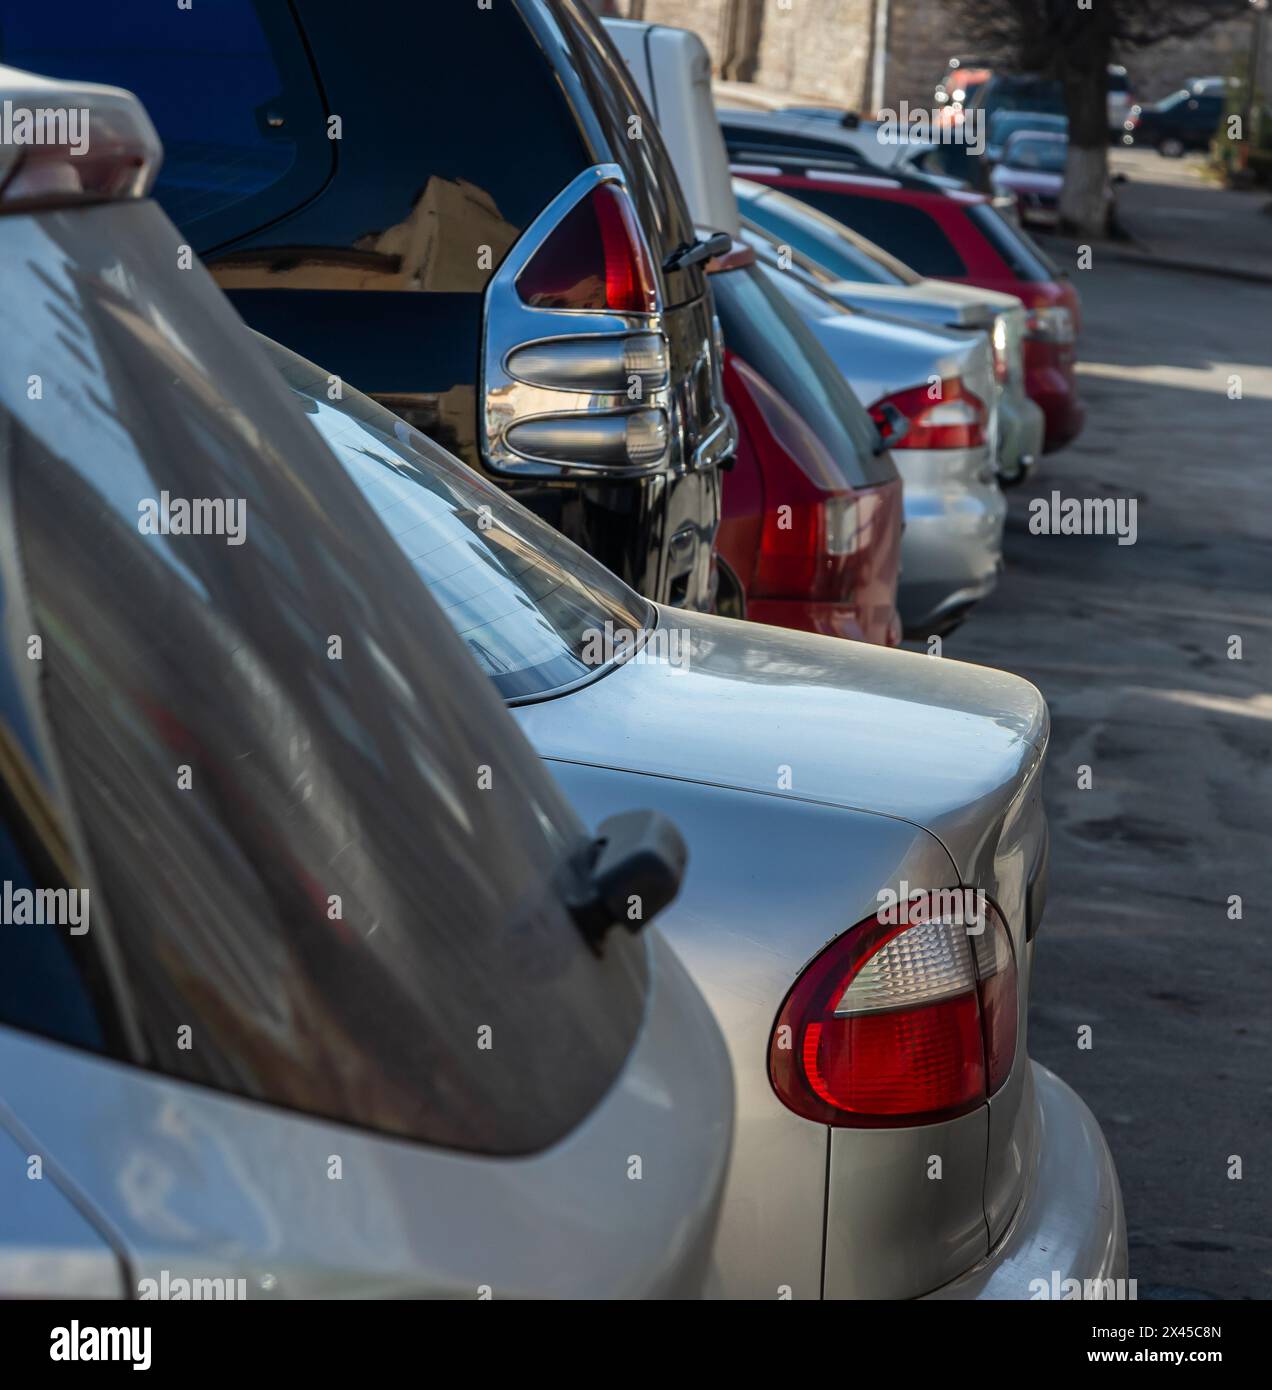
x=1028 y=261
x=531 y=606
x=909 y=233
x=768 y=334
x=325 y=865
x=826 y=241
x=226 y=84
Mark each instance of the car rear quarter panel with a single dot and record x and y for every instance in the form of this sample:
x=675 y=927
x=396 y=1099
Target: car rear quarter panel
x=770 y=881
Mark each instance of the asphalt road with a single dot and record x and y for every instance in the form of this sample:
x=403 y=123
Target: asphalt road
x=1130 y=646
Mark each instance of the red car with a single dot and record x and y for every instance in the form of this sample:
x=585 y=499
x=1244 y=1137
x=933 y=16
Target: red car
x=951 y=234
x=811 y=512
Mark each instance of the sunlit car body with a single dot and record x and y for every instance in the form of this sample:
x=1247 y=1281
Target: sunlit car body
x=1031 y=168
x=860 y=275
x=332 y=1026
x=811 y=777
x=941 y=383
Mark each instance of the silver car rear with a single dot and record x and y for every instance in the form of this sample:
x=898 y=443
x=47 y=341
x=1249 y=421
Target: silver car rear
x=951 y=548
x=328 y=1019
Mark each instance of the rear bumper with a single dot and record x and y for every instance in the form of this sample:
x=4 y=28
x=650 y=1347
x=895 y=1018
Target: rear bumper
x=881 y=626
x=1071 y=1224
x=951 y=549
x=1022 y=428
x=1056 y=391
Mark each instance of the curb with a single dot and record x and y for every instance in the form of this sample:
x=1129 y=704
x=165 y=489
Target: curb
x=1127 y=253
x=1156 y=262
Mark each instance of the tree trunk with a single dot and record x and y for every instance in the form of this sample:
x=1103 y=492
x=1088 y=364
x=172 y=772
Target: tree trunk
x=1083 y=69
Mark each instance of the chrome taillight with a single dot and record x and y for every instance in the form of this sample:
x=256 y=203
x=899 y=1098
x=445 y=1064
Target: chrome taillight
x=576 y=366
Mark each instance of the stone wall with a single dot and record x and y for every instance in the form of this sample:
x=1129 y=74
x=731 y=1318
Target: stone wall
x=823 y=47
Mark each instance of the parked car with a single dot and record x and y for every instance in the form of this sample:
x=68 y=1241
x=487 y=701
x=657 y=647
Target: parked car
x=860 y=275
x=1185 y=120
x=931 y=393
x=1005 y=124
x=501 y=283
x=960 y=237
x=324 y=1015
x=1119 y=99
x=812 y=516
x=1032 y=170
x=814 y=780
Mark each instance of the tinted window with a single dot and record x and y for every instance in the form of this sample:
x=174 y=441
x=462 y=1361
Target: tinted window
x=823 y=240
x=234 y=126
x=529 y=603
x=1026 y=259
x=1040 y=156
x=909 y=233
x=316 y=839
x=767 y=333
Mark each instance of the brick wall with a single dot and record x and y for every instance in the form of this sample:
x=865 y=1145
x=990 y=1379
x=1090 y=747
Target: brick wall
x=823 y=47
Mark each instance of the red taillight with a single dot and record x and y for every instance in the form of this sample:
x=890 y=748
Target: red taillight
x=899 y=1024
x=944 y=415
x=595 y=258
x=811 y=527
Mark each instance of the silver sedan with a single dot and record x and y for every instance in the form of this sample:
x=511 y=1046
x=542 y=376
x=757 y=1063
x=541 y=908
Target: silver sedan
x=867 y=875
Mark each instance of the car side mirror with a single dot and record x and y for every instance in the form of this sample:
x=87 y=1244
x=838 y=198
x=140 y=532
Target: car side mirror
x=627 y=874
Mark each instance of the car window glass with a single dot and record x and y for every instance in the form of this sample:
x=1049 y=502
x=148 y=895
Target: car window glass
x=532 y=607
x=233 y=126
x=909 y=233
x=317 y=841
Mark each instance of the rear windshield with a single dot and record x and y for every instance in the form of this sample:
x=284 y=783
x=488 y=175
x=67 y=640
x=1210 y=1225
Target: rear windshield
x=532 y=607
x=1028 y=261
x=823 y=239
x=325 y=863
x=226 y=84
x=909 y=233
x=766 y=332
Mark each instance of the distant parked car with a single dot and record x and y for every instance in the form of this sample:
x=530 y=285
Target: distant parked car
x=252 y=748
x=931 y=394
x=953 y=236
x=1185 y=120
x=499 y=282
x=1120 y=99
x=860 y=275
x=1032 y=170
x=819 y=784
x=1005 y=124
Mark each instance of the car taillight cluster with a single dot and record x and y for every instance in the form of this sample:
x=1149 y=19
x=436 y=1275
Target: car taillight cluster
x=1051 y=323
x=577 y=368
x=594 y=259
x=899 y=1023
x=944 y=415
x=811 y=526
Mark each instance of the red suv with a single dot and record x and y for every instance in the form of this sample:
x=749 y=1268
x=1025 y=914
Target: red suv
x=949 y=234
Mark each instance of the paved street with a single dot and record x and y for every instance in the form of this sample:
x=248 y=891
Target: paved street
x=1173 y=210
x=1130 y=646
